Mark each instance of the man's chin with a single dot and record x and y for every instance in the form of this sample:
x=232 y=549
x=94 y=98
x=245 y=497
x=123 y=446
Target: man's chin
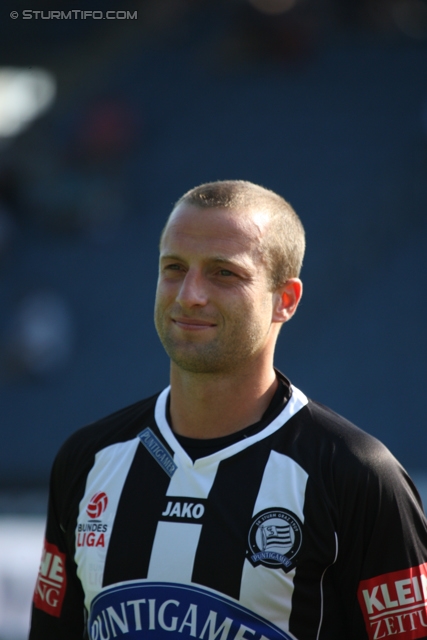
x=197 y=362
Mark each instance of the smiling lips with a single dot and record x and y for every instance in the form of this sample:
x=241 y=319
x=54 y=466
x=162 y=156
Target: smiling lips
x=193 y=324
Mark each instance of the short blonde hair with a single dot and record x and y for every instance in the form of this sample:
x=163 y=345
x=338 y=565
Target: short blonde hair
x=284 y=244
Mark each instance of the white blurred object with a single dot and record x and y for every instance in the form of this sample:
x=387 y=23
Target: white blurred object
x=21 y=540
x=24 y=95
x=39 y=339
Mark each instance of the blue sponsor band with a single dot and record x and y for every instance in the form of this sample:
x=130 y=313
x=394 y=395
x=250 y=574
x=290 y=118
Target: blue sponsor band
x=168 y=611
x=158 y=451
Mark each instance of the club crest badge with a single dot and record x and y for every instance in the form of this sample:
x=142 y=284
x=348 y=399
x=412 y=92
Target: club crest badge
x=274 y=539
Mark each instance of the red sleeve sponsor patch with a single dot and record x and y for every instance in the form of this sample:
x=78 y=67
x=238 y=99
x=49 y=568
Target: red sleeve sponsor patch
x=52 y=581
x=395 y=604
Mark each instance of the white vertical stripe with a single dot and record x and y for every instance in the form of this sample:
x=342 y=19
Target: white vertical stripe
x=268 y=591
x=108 y=474
x=173 y=553
x=175 y=543
x=283 y=485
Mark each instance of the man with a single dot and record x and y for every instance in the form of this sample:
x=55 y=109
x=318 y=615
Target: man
x=229 y=506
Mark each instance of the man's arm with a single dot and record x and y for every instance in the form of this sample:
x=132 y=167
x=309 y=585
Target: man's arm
x=384 y=548
x=58 y=602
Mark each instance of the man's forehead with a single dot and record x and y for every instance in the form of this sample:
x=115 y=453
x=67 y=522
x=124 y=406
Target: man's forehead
x=187 y=217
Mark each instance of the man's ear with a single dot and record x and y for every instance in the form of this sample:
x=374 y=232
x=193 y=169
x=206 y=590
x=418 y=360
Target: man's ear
x=286 y=300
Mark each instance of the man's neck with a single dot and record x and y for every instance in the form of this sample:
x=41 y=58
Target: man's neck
x=211 y=406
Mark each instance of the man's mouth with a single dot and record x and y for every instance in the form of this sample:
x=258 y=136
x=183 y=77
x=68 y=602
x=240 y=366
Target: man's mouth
x=193 y=323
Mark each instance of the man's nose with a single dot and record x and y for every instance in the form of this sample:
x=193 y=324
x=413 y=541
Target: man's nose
x=193 y=291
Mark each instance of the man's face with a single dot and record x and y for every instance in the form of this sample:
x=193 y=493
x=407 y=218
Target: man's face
x=213 y=310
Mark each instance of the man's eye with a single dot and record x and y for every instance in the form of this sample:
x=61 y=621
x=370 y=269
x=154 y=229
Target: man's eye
x=225 y=272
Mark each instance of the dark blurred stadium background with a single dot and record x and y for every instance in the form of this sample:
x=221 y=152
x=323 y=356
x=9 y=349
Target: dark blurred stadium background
x=324 y=101
x=106 y=121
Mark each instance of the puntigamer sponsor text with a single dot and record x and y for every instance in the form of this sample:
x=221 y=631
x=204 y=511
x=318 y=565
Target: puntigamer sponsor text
x=150 y=615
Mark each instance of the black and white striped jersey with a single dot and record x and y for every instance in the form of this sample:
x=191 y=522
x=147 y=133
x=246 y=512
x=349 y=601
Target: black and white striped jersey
x=308 y=529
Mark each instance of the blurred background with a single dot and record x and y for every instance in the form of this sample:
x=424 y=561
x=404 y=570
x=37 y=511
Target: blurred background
x=108 y=113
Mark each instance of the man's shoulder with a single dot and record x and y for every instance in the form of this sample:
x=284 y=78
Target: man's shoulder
x=334 y=423
x=340 y=440
x=344 y=459
x=119 y=426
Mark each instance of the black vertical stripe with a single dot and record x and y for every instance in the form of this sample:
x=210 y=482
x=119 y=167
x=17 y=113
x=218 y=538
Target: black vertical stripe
x=223 y=541
x=139 y=510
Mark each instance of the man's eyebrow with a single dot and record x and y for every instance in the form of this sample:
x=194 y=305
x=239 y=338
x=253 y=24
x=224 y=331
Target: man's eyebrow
x=234 y=262
x=224 y=259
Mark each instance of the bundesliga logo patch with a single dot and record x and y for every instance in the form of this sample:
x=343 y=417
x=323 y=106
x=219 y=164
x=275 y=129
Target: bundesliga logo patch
x=395 y=604
x=92 y=533
x=274 y=539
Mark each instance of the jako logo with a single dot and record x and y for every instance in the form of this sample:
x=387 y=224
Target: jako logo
x=97 y=505
x=184 y=510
